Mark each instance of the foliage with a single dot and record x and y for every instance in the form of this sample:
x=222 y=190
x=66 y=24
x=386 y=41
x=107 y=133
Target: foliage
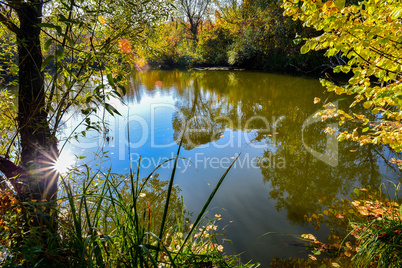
x=169 y=46
x=365 y=232
x=82 y=59
x=213 y=44
x=367 y=37
x=247 y=34
x=108 y=219
x=72 y=57
x=364 y=37
x=8 y=64
x=7 y=122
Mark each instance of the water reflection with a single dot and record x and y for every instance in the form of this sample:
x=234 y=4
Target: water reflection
x=277 y=181
x=272 y=108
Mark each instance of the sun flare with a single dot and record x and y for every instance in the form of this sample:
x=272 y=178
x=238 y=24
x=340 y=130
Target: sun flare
x=64 y=163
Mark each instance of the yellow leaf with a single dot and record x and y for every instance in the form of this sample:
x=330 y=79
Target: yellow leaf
x=328 y=5
x=101 y=20
x=308 y=236
x=339 y=90
x=367 y=104
x=312 y=257
x=316 y=100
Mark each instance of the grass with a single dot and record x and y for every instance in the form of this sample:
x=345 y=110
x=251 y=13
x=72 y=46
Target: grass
x=110 y=220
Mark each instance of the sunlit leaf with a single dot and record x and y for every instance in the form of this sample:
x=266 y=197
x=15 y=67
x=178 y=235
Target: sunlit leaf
x=125 y=46
x=101 y=20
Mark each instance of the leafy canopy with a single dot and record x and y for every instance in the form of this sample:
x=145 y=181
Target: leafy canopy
x=368 y=38
x=87 y=47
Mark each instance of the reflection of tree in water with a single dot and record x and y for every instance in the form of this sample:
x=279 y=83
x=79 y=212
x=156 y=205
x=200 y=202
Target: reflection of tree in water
x=298 y=187
x=246 y=101
x=199 y=116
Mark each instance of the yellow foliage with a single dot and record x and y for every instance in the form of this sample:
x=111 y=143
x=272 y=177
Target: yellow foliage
x=368 y=37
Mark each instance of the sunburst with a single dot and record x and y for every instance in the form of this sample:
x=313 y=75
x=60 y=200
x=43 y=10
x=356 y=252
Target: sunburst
x=65 y=161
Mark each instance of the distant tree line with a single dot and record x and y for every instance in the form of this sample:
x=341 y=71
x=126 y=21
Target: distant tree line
x=250 y=34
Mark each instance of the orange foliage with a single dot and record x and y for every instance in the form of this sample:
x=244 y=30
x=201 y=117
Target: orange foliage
x=125 y=46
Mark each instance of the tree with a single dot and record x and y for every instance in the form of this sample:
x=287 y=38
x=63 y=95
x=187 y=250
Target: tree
x=82 y=44
x=195 y=12
x=367 y=37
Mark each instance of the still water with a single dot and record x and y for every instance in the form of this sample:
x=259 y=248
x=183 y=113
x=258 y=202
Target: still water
x=286 y=160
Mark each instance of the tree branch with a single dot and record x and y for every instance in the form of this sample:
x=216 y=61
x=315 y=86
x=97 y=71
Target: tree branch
x=9 y=169
x=9 y=24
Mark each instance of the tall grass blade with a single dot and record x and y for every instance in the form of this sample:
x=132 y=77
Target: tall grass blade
x=204 y=208
x=145 y=249
x=169 y=192
x=164 y=248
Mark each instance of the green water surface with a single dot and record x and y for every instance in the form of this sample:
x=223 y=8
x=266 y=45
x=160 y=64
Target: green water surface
x=286 y=164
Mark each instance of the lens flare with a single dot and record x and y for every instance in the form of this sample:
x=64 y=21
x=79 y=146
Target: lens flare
x=65 y=161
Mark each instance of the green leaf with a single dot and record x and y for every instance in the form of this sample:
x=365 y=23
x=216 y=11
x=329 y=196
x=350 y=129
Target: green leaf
x=365 y=129
x=49 y=25
x=59 y=53
x=123 y=89
x=110 y=77
x=340 y=4
x=305 y=48
x=356 y=191
x=297 y=41
x=345 y=68
x=376 y=110
x=400 y=212
x=111 y=110
x=331 y=52
x=46 y=62
x=47 y=44
x=62 y=18
x=70 y=41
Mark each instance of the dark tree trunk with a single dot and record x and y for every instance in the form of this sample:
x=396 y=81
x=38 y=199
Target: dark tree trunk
x=193 y=27
x=38 y=144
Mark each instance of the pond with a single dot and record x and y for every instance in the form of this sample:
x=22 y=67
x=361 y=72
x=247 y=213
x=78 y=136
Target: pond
x=286 y=163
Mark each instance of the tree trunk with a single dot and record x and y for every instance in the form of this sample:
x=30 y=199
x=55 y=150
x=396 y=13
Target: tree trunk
x=38 y=144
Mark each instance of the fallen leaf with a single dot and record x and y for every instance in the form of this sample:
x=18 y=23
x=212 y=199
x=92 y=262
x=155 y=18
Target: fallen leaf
x=397 y=231
x=340 y=216
x=312 y=257
x=381 y=235
x=308 y=236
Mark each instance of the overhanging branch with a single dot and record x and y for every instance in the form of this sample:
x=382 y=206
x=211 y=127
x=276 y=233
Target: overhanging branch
x=9 y=24
x=9 y=169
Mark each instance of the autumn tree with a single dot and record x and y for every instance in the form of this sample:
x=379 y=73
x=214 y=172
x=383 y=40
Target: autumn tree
x=70 y=56
x=367 y=36
x=194 y=12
